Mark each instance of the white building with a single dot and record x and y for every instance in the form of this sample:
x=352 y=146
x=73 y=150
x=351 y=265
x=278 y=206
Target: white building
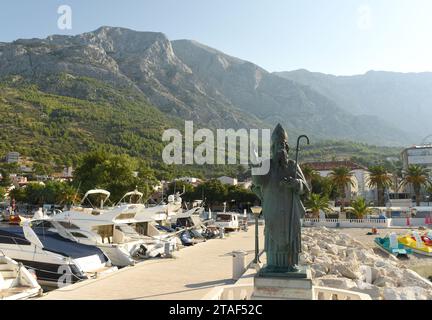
x=188 y=179
x=419 y=155
x=26 y=169
x=246 y=184
x=12 y=157
x=228 y=180
x=68 y=172
x=360 y=177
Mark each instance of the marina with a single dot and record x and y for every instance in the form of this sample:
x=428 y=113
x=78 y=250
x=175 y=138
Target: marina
x=98 y=246
x=190 y=274
x=233 y=252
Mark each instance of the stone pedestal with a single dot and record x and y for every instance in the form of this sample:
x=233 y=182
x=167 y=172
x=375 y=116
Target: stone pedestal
x=283 y=287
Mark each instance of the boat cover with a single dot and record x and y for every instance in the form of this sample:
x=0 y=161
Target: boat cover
x=55 y=243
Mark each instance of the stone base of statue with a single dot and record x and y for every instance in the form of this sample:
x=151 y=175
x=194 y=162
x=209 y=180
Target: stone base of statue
x=271 y=285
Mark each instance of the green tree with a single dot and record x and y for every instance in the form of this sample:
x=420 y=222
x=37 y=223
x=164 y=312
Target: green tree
x=2 y=193
x=115 y=173
x=66 y=195
x=359 y=208
x=35 y=193
x=5 y=178
x=42 y=169
x=19 y=194
x=379 y=178
x=418 y=177
x=316 y=203
x=324 y=186
x=309 y=173
x=10 y=167
x=241 y=196
x=214 y=192
x=341 y=177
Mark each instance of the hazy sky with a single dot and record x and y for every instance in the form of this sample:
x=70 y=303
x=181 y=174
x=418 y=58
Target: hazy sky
x=331 y=36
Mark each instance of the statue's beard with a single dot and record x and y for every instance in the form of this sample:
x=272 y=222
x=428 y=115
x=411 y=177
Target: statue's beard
x=282 y=158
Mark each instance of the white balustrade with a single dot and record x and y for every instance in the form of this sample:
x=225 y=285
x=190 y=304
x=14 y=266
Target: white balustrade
x=244 y=292
x=230 y=292
x=325 y=293
x=348 y=223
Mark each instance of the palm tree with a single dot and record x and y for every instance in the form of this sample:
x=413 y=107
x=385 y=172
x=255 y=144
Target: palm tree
x=341 y=177
x=67 y=195
x=359 y=208
x=309 y=173
x=398 y=176
x=418 y=177
x=316 y=203
x=379 y=178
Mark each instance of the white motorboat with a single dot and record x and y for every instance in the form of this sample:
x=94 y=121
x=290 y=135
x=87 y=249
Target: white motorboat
x=227 y=220
x=190 y=219
x=56 y=260
x=16 y=282
x=114 y=229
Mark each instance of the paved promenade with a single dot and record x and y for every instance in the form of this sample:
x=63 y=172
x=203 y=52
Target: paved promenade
x=192 y=273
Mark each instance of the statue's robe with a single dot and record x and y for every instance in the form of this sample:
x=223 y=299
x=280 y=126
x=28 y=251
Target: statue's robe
x=282 y=221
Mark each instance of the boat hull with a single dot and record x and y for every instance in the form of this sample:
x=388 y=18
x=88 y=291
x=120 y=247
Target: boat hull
x=408 y=242
x=117 y=256
x=53 y=275
x=399 y=252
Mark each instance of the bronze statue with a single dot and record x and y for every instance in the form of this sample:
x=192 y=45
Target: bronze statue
x=279 y=191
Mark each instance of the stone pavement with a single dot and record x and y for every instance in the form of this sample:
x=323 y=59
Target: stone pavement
x=192 y=273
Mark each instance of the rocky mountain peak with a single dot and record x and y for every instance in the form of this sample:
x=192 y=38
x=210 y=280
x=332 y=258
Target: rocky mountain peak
x=189 y=80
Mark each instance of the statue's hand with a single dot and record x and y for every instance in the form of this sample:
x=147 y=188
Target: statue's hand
x=291 y=182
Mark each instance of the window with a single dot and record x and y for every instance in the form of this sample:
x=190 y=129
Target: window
x=68 y=225
x=78 y=235
x=124 y=216
x=42 y=224
x=223 y=217
x=12 y=239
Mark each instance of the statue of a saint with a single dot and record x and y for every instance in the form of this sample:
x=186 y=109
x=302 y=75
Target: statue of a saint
x=280 y=190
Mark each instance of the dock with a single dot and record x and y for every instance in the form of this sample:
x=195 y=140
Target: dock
x=189 y=275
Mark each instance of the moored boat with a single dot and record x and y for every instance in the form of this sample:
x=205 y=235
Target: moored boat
x=391 y=245
x=414 y=242
x=124 y=232
x=16 y=282
x=56 y=260
x=227 y=220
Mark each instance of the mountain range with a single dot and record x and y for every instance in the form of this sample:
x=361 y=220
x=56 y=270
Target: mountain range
x=139 y=83
x=403 y=99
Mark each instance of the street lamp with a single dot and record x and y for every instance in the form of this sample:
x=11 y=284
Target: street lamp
x=256 y=210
